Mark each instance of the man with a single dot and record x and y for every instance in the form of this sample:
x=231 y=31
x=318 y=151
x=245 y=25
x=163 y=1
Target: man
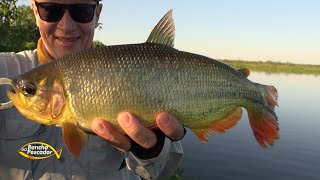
x=67 y=26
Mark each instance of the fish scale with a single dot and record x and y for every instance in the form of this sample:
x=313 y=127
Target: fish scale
x=175 y=76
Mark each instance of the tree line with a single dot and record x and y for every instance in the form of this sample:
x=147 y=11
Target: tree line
x=18 y=29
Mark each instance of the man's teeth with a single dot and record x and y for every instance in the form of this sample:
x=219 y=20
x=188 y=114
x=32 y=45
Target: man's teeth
x=67 y=39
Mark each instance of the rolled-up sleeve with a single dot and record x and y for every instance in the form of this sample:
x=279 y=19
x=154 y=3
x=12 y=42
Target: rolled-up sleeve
x=160 y=167
x=13 y=64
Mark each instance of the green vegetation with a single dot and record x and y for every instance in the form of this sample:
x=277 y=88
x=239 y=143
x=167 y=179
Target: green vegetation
x=97 y=43
x=274 y=67
x=17 y=27
x=179 y=175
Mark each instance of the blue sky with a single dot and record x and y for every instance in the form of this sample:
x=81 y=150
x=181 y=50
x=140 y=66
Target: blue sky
x=276 y=30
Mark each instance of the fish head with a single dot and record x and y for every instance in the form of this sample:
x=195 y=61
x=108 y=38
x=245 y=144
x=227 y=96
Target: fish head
x=38 y=95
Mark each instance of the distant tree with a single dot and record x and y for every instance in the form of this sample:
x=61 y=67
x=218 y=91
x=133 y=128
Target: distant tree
x=97 y=43
x=17 y=27
x=7 y=11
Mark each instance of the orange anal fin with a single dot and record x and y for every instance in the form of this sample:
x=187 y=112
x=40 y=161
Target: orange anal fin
x=264 y=126
x=74 y=138
x=219 y=126
x=203 y=134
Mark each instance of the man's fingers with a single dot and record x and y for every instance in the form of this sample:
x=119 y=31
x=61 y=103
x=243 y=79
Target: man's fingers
x=136 y=131
x=109 y=133
x=170 y=126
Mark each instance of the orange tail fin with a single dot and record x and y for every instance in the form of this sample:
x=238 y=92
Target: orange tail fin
x=263 y=120
x=271 y=95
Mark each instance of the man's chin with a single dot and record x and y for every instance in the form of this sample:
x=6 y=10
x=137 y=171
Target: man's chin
x=66 y=51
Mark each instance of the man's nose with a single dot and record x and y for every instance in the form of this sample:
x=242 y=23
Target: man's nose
x=66 y=23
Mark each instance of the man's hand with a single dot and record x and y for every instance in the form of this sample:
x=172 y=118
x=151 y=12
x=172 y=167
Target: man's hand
x=136 y=131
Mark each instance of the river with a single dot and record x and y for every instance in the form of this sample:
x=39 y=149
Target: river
x=236 y=154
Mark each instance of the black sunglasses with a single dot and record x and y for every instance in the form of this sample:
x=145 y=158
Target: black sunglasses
x=53 y=12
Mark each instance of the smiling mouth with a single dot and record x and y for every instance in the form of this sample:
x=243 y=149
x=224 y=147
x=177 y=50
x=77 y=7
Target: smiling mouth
x=69 y=39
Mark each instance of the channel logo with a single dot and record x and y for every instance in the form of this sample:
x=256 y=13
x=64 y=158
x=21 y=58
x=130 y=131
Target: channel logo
x=38 y=151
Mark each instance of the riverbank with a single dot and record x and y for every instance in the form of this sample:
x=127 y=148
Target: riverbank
x=274 y=67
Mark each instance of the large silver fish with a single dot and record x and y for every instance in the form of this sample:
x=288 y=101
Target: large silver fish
x=204 y=94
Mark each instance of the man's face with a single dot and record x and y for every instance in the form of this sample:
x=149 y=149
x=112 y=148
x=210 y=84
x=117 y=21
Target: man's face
x=66 y=36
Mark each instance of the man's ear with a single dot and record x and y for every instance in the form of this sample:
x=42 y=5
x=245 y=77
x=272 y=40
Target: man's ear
x=35 y=11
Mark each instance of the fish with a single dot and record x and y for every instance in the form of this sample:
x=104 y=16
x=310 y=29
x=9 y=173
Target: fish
x=145 y=79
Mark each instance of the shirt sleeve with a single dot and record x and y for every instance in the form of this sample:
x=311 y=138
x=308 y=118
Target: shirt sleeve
x=13 y=125
x=160 y=167
x=15 y=130
x=13 y=64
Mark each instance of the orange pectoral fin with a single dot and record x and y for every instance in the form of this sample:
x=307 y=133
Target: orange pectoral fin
x=74 y=138
x=219 y=126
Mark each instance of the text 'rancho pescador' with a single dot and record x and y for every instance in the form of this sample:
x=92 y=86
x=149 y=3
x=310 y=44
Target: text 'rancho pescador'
x=39 y=150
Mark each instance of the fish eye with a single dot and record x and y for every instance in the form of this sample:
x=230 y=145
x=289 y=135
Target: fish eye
x=29 y=89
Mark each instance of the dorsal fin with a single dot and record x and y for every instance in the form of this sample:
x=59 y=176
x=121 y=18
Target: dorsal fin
x=164 y=31
x=244 y=71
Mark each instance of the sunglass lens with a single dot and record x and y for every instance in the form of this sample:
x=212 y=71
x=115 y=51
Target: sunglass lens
x=82 y=13
x=50 y=12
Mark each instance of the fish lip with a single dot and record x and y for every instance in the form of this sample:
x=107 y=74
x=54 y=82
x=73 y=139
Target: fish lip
x=17 y=101
x=14 y=88
x=13 y=94
x=13 y=91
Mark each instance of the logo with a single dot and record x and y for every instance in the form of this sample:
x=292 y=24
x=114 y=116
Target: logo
x=38 y=151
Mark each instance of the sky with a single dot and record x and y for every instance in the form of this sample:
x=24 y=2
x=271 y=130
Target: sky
x=253 y=30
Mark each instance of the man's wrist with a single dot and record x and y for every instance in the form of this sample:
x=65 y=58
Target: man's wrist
x=144 y=153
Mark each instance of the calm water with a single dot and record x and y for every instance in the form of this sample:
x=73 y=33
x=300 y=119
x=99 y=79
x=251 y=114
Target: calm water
x=237 y=155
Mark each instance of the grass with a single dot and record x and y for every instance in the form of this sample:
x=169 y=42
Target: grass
x=274 y=67
x=179 y=175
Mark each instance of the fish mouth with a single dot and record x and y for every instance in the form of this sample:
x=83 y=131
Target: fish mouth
x=12 y=91
x=6 y=105
x=18 y=102
x=13 y=96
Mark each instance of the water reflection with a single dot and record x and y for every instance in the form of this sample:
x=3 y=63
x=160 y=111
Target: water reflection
x=237 y=155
